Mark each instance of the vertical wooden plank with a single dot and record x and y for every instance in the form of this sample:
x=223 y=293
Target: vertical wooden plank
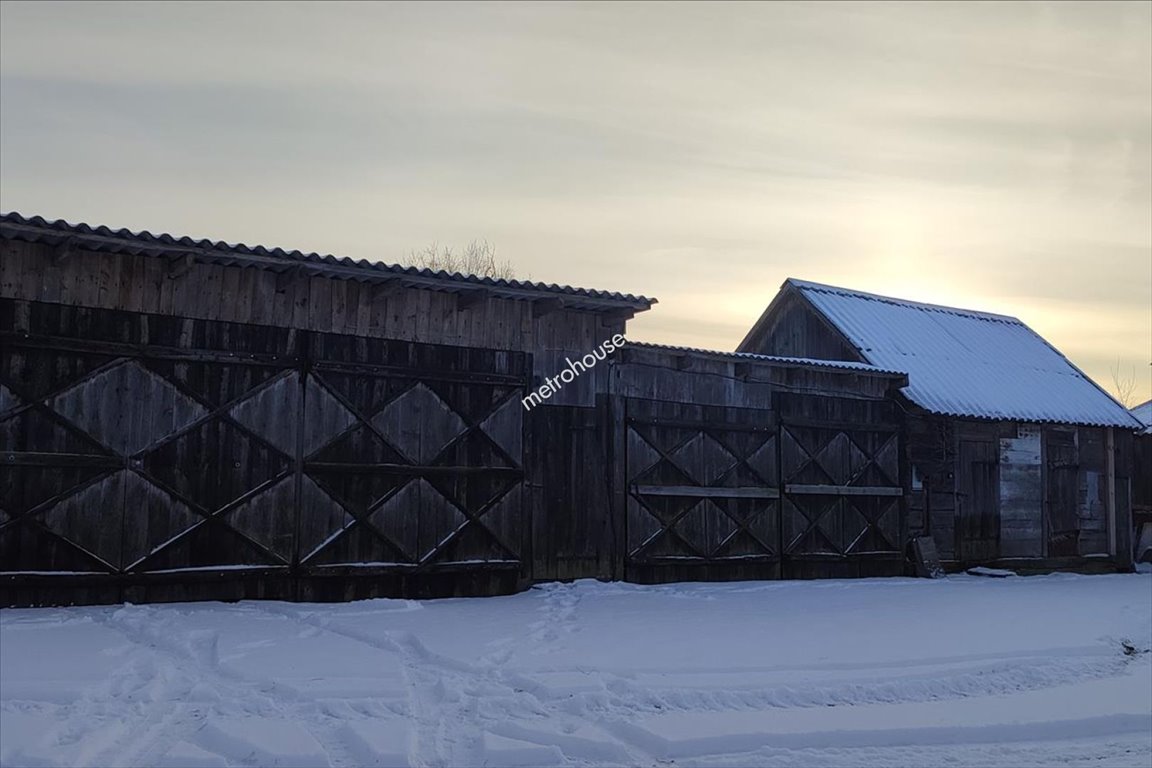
x=128 y=277
x=301 y=301
x=263 y=296
x=423 y=310
x=377 y=302
x=339 y=291
x=1110 y=475
x=320 y=304
x=148 y=297
x=11 y=268
x=363 y=308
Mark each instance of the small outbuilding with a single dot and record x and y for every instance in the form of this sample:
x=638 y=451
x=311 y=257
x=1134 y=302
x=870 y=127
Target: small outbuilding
x=1016 y=457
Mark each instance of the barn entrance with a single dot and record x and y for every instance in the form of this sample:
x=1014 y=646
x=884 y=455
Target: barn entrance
x=254 y=461
x=809 y=490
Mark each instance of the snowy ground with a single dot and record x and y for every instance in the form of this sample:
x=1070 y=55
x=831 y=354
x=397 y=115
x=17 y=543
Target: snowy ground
x=962 y=671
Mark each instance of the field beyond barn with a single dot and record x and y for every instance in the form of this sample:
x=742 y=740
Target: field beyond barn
x=1040 y=671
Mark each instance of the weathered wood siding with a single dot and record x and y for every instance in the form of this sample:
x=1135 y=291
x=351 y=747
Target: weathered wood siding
x=737 y=468
x=794 y=329
x=573 y=532
x=288 y=463
x=1011 y=491
x=1021 y=494
x=152 y=285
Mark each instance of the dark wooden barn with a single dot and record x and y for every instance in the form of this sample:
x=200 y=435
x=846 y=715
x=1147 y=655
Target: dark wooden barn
x=185 y=419
x=1015 y=457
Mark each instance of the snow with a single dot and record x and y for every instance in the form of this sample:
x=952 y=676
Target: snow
x=996 y=573
x=961 y=671
x=966 y=363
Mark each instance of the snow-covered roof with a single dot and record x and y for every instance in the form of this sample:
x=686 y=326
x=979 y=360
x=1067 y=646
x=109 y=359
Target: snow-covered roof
x=1143 y=414
x=966 y=363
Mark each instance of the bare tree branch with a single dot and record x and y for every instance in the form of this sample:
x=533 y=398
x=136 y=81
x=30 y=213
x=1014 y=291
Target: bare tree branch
x=477 y=258
x=1124 y=384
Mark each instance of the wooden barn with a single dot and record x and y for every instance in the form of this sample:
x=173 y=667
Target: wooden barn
x=185 y=419
x=1015 y=457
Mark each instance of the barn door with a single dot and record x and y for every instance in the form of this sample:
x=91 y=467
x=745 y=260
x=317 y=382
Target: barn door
x=977 y=497
x=127 y=447
x=842 y=513
x=1063 y=493
x=422 y=455
x=702 y=491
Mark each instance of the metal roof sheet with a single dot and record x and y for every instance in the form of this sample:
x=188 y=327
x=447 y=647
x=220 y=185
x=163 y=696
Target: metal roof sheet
x=101 y=238
x=801 y=361
x=966 y=363
x=1143 y=414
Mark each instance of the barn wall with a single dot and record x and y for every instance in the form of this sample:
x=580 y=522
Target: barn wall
x=794 y=329
x=736 y=469
x=1006 y=491
x=150 y=457
x=147 y=284
x=932 y=496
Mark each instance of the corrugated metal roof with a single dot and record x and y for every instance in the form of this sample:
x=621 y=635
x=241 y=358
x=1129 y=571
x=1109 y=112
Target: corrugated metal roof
x=966 y=363
x=802 y=361
x=1143 y=414
x=101 y=238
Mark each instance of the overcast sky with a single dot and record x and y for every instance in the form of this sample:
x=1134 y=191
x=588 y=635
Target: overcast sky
x=994 y=156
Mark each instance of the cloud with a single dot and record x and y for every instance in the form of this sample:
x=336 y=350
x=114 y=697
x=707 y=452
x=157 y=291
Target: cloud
x=997 y=156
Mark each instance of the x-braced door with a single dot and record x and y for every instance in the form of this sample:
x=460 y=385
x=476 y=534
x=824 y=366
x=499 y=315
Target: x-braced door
x=702 y=491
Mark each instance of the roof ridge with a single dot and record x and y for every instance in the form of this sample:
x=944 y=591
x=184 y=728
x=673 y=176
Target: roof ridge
x=61 y=226
x=961 y=311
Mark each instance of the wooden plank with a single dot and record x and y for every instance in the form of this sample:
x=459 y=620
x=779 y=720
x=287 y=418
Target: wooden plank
x=850 y=426
x=339 y=321
x=39 y=458
x=1110 y=479
x=843 y=490
x=707 y=492
x=423 y=306
x=768 y=424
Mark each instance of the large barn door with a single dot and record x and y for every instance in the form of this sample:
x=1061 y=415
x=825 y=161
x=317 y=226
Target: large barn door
x=136 y=447
x=425 y=456
x=842 y=508
x=124 y=446
x=702 y=492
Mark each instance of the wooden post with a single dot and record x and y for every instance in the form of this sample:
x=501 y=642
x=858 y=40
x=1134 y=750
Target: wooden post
x=1110 y=471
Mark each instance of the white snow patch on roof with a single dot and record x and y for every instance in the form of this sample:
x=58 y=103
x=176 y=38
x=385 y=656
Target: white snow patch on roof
x=966 y=363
